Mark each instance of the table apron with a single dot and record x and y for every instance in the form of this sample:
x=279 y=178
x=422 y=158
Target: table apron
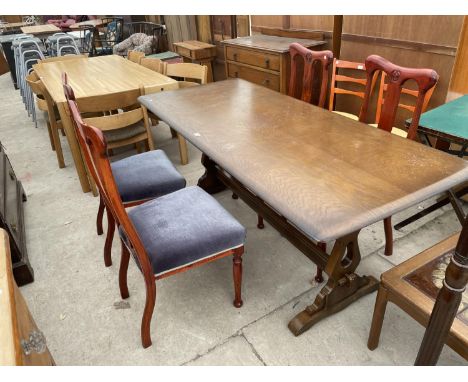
x=279 y=222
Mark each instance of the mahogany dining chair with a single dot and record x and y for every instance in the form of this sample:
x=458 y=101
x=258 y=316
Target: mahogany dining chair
x=425 y=80
x=168 y=235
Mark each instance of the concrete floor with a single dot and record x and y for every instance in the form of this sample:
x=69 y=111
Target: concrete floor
x=75 y=299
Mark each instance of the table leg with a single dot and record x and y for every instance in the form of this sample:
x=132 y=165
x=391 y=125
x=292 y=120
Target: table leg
x=74 y=147
x=343 y=286
x=209 y=181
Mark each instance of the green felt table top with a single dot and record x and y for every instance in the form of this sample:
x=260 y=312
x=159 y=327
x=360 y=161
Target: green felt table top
x=450 y=118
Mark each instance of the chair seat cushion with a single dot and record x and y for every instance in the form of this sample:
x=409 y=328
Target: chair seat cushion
x=124 y=133
x=146 y=176
x=347 y=115
x=395 y=130
x=184 y=227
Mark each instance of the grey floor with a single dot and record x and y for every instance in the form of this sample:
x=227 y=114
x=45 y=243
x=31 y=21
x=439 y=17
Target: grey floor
x=75 y=298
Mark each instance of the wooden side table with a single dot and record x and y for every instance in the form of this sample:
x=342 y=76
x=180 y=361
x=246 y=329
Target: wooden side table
x=263 y=60
x=197 y=52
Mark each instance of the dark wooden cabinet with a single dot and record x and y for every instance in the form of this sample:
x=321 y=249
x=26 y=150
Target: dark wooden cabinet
x=12 y=197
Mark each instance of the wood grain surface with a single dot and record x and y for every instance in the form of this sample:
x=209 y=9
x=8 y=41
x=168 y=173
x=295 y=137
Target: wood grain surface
x=327 y=174
x=271 y=43
x=96 y=76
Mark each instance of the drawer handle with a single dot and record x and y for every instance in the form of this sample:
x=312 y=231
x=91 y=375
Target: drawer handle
x=266 y=82
x=36 y=343
x=267 y=62
x=234 y=56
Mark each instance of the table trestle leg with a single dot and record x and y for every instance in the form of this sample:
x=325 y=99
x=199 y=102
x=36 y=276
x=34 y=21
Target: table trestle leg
x=343 y=286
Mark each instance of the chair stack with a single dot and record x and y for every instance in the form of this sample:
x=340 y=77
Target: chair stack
x=27 y=52
x=61 y=44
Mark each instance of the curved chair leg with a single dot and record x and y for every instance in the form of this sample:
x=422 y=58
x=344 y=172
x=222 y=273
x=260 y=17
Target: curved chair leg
x=124 y=259
x=148 y=312
x=100 y=215
x=377 y=318
x=237 y=273
x=388 y=236
x=109 y=238
x=260 y=224
x=319 y=275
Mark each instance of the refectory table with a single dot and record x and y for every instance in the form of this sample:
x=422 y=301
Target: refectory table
x=315 y=176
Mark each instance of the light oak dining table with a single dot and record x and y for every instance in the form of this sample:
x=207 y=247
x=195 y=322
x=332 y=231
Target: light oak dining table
x=91 y=77
x=315 y=176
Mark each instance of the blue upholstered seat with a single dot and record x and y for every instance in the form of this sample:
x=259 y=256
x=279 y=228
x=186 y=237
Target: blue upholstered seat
x=183 y=227
x=146 y=176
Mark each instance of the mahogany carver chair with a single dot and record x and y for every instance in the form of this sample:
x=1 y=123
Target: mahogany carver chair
x=139 y=178
x=357 y=82
x=431 y=288
x=135 y=56
x=168 y=235
x=425 y=80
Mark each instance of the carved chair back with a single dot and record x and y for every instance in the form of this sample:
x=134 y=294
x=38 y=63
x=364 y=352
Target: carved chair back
x=314 y=64
x=397 y=77
x=410 y=107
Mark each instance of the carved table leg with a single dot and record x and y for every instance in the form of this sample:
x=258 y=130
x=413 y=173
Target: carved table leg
x=343 y=286
x=209 y=181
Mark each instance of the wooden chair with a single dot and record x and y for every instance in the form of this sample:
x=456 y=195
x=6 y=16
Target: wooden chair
x=415 y=284
x=135 y=56
x=154 y=64
x=411 y=108
x=193 y=75
x=398 y=75
x=314 y=64
x=139 y=178
x=45 y=103
x=341 y=78
x=122 y=119
x=168 y=235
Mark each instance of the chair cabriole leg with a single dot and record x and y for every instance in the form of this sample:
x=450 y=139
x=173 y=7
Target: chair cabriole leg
x=109 y=238
x=124 y=260
x=148 y=312
x=100 y=216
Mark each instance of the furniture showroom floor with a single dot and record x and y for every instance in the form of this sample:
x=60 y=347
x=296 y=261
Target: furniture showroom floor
x=75 y=299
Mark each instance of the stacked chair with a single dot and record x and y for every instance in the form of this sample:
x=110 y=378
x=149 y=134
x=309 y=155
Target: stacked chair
x=27 y=52
x=170 y=231
x=60 y=44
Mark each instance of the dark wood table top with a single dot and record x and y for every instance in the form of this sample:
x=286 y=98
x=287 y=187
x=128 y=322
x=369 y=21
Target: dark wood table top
x=327 y=174
x=271 y=43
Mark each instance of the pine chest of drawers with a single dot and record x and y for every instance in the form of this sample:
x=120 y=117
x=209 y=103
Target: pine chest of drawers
x=262 y=59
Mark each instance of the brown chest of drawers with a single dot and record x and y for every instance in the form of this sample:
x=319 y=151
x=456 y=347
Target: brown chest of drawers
x=262 y=59
x=21 y=342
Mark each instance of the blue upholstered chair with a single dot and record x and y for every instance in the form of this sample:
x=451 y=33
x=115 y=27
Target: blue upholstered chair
x=139 y=178
x=166 y=235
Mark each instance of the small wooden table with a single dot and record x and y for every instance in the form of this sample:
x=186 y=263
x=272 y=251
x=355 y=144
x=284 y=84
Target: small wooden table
x=94 y=23
x=262 y=59
x=314 y=175
x=197 y=52
x=91 y=77
x=41 y=29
